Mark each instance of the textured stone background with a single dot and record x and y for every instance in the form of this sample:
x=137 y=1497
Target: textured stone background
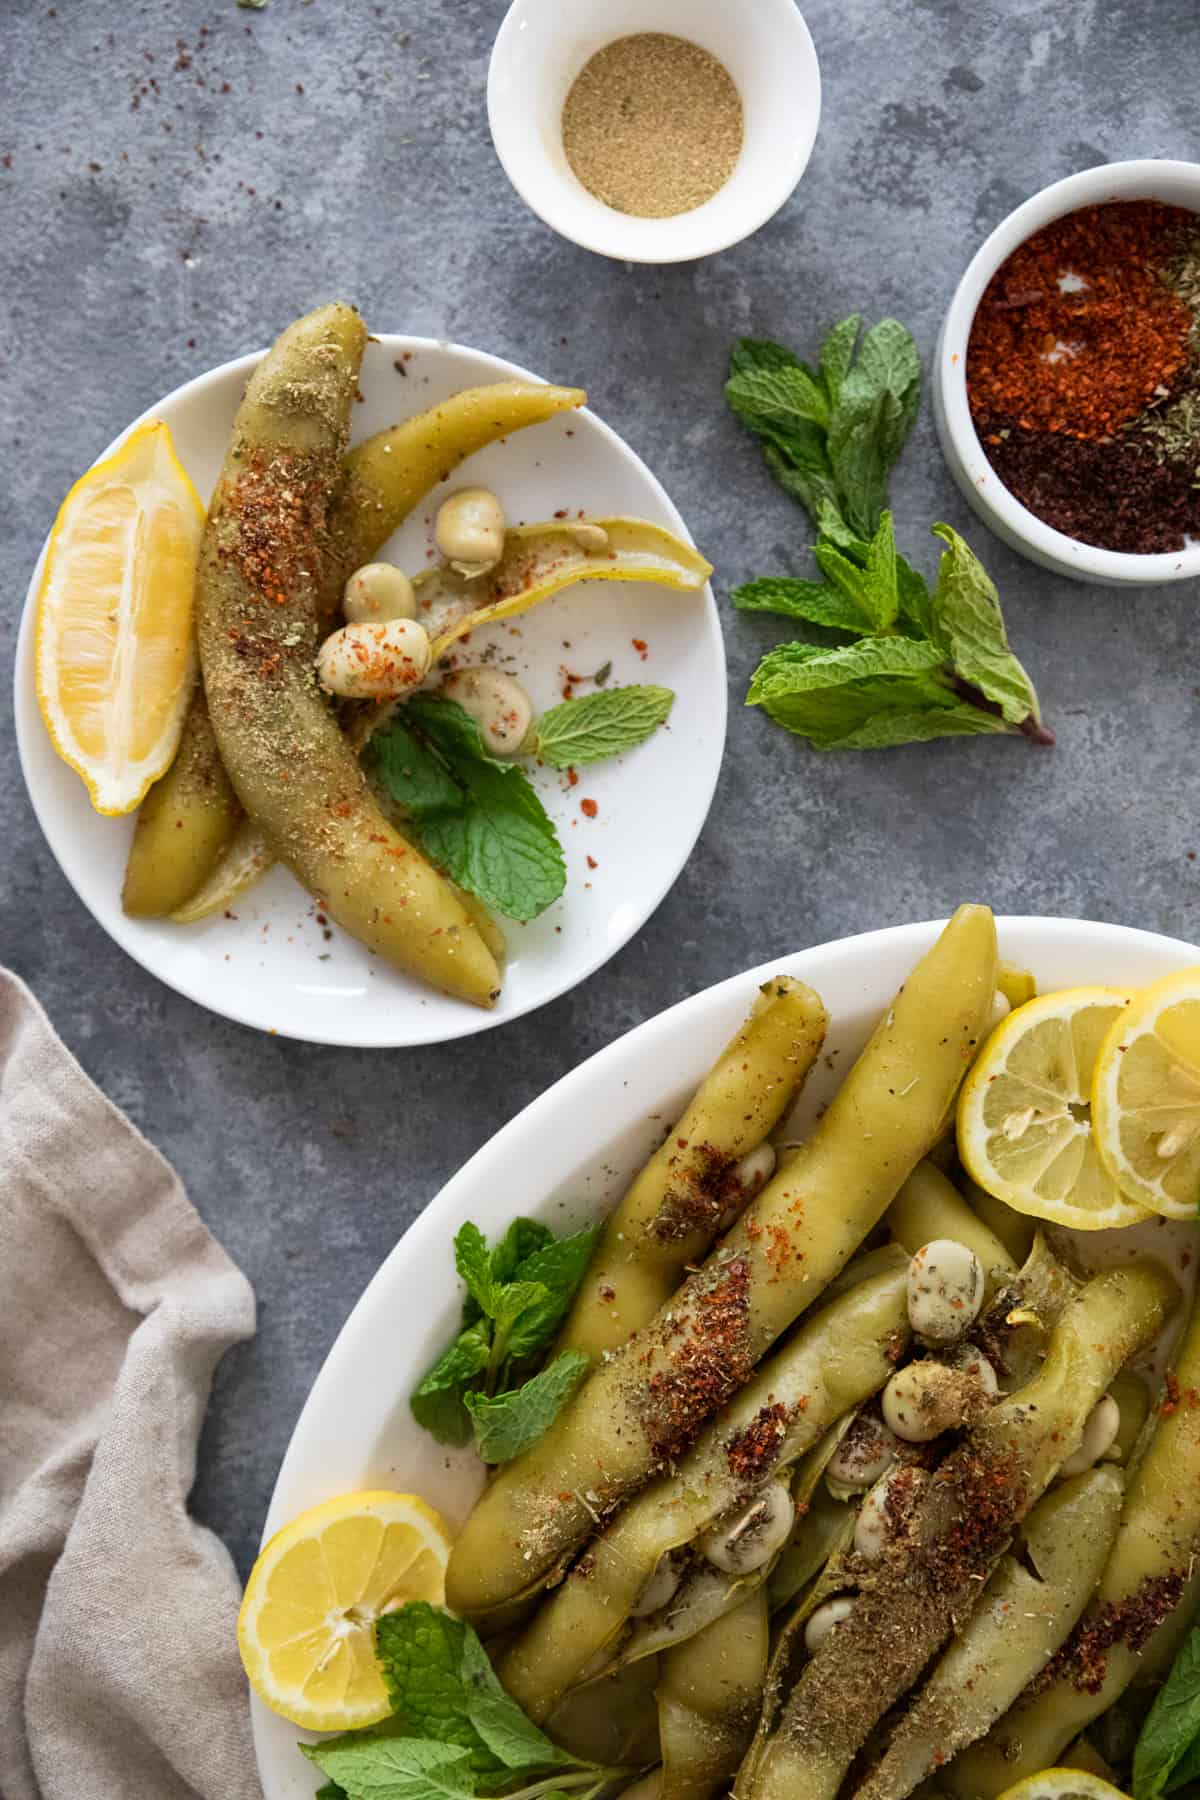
x=179 y=177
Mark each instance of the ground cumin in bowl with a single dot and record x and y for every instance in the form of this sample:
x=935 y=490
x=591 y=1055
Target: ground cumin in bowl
x=654 y=130
x=1067 y=381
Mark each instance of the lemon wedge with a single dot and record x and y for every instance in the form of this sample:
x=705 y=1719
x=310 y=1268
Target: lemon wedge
x=1024 y=1114
x=306 y=1630
x=1063 y=1784
x=115 y=655
x=1146 y=1097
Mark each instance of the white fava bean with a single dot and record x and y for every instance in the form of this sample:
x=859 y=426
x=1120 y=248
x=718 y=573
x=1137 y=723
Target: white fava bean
x=590 y=537
x=469 y=531
x=1000 y=1008
x=875 y=1523
x=867 y=1451
x=750 y=1174
x=973 y=1362
x=923 y=1400
x=498 y=704
x=945 y=1290
x=374 y=662
x=751 y=1540
x=378 y=593
x=661 y=1587
x=1099 y=1433
x=824 y=1621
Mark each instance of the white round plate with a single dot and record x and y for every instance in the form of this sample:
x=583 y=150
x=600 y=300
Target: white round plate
x=273 y=966
x=566 y=1159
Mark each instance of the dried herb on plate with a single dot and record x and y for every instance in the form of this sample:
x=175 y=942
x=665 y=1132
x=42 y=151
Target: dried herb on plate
x=893 y=662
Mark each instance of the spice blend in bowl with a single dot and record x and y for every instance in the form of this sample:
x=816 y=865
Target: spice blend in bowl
x=653 y=125
x=1083 y=375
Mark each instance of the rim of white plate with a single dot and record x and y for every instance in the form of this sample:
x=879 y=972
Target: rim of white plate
x=468 y=1021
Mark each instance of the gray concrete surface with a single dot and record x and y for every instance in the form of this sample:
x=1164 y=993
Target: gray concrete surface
x=179 y=177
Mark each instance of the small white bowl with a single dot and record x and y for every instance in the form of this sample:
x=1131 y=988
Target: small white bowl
x=766 y=47
x=1175 y=183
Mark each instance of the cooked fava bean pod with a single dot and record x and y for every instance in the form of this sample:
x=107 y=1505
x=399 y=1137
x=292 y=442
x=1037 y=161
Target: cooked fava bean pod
x=709 y=1693
x=257 y=614
x=929 y=1206
x=1144 y=1604
x=188 y=819
x=927 y=1578
x=539 y=561
x=835 y=1360
x=643 y=1407
x=671 y=1213
x=1024 y=1614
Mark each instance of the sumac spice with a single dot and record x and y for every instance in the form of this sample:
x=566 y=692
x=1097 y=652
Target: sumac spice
x=1083 y=375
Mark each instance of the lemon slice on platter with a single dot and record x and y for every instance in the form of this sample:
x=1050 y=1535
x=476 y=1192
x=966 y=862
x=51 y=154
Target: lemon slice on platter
x=306 y=1630
x=1063 y=1784
x=1024 y=1114
x=115 y=655
x=1146 y=1097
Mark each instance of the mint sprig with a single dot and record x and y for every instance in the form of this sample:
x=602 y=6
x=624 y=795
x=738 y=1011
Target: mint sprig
x=485 y=1383
x=600 y=725
x=922 y=665
x=454 y=1733
x=476 y=817
x=1167 y=1753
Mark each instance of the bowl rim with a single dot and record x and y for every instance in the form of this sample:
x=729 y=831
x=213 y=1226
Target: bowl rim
x=787 y=168
x=1134 y=179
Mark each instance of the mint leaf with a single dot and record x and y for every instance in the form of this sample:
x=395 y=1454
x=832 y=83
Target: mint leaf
x=442 y=1686
x=1172 y=1726
x=968 y=626
x=329 y=1790
x=816 y=601
x=508 y=1423
x=522 y=1238
x=806 y=477
x=512 y=1301
x=916 y=614
x=831 y=525
x=876 y=409
x=512 y=1739
x=777 y=398
x=871 y=695
x=503 y=847
x=477 y=817
x=473 y=1264
x=557 y=1268
x=837 y=354
x=367 y=1767
x=871 y=590
x=414 y=777
x=601 y=725
x=764 y=353
x=437 y=1402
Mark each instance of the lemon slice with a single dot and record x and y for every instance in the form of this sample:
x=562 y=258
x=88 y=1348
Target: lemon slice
x=1063 y=1784
x=306 y=1630
x=115 y=655
x=1024 y=1115
x=1146 y=1097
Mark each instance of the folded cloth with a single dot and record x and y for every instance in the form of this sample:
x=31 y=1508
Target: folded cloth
x=119 y=1672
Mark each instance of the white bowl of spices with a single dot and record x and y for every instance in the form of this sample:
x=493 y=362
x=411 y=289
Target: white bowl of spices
x=1066 y=381
x=654 y=131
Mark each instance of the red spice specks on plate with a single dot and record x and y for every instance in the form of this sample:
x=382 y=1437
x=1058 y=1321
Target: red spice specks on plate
x=588 y=808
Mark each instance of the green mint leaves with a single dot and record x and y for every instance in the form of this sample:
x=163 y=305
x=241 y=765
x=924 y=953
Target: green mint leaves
x=454 y=1732
x=600 y=725
x=919 y=665
x=832 y=434
x=484 y=1385
x=1167 y=1753
x=477 y=818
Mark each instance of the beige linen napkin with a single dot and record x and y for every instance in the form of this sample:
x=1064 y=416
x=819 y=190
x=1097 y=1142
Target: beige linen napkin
x=119 y=1674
